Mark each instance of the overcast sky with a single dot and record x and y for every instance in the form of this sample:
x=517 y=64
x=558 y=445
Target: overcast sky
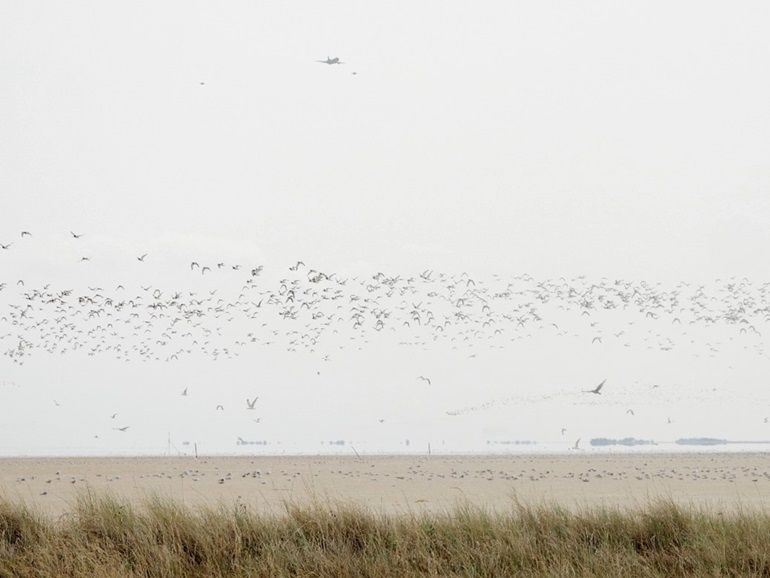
x=557 y=137
x=626 y=139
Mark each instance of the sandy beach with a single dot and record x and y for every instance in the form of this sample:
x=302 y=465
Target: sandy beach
x=398 y=483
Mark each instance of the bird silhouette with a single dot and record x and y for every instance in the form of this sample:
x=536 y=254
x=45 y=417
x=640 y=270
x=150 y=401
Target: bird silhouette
x=330 y=60
x=597 y=390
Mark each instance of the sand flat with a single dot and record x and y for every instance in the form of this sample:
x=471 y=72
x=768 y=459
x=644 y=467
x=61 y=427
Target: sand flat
x=398 y=483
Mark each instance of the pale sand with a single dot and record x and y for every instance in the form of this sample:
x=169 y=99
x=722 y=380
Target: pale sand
x=399 y=483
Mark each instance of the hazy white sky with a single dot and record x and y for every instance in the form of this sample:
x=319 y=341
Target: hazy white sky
x=627 y=139
x=555 y=137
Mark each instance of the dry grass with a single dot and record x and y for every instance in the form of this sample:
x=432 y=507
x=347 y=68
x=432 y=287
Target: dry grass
x=103 y=536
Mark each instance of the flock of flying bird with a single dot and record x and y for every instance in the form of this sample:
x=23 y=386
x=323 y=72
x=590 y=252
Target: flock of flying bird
x=322 y=313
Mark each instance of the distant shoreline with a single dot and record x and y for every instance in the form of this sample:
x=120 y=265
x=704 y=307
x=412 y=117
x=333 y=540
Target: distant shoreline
x=596 y=451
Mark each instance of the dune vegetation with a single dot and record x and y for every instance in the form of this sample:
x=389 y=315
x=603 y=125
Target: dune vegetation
x=104 y=536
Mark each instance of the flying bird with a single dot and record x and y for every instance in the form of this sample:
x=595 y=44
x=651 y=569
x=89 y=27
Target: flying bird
x=124 y=428
x=251 y=403
x=142 y=258
x=330 y=60
x=184 y=392
x=423 y=378
x=75 y=235
x=597 y=390
x=25 y=234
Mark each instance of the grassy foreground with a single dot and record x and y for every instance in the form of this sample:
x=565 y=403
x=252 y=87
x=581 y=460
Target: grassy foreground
x=102 y=536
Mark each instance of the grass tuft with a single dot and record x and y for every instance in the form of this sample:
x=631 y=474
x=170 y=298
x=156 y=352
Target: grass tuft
x=105 y=536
